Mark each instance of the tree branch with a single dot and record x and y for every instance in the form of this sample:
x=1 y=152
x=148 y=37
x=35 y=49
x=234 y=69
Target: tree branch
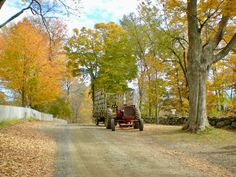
x=184 y=69
x=37 y=10
x=226 y=50
x=210 y=15
x=1 y=3
x=17 y=14
x=220 y=32
x=179 y=39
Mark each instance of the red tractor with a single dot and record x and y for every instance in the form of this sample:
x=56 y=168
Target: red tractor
x=114 y=108
x=128 y=116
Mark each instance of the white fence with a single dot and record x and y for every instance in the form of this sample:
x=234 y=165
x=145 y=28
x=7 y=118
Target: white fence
x=14 y=112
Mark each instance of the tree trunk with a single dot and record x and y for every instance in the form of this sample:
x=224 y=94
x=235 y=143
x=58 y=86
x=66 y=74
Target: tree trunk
x=156 y=97
x=140 y=92
x=197 y=73
x=23 y=99
x=93 y=91
x=179 y=91
x=197 y=99
x=149 y=109
x=149 y=99
x=202 y=113
x=200 y=58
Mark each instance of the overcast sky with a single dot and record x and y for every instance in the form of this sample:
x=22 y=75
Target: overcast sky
x=92 y=11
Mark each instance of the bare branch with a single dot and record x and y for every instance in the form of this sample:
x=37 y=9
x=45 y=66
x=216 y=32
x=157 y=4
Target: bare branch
x=66 y=6
x=40 y=13
x=36 y=8
x=17 y=14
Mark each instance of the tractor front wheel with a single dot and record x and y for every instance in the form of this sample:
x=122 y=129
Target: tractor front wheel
x=113 y=127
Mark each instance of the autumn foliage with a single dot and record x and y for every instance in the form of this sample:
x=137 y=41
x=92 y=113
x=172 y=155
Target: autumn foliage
x=163 y=32
x=25 y=65
x=180 y=54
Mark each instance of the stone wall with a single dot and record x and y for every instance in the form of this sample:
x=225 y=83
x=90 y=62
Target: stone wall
x=226 y=122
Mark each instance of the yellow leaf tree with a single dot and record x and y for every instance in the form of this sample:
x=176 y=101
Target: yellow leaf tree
x=210 y=38
x=25 y=67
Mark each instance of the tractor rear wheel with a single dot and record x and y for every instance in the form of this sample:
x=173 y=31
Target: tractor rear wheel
x=108 y=119
x=137 y=113
x=136 y=125
x=137 y=117
x=141 y=124
x=113 y=127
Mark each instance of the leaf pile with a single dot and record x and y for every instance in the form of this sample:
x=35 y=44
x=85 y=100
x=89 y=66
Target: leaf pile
x=24 y=151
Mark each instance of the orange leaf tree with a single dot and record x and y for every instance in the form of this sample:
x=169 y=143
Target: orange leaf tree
x=25 y=67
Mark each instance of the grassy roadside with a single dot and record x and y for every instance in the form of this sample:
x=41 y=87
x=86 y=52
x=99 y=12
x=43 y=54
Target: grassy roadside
x=14 y=121
x=175 y=134
x=9 y=122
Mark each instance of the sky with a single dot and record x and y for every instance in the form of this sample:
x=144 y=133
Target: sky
x=90 y=13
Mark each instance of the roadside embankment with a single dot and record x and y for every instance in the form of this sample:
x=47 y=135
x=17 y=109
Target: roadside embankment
x=25 y=151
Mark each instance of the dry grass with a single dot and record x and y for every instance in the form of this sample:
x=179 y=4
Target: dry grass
x=176 y=134
x=212 y=151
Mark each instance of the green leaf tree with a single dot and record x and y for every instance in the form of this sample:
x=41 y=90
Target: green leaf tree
x=103 y=55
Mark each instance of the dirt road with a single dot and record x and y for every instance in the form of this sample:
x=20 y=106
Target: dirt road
x=90 y=151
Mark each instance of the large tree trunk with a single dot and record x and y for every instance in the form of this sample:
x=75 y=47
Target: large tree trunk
x=202 y=112
x=200 y=58
x=197 y=99
x=197 y=73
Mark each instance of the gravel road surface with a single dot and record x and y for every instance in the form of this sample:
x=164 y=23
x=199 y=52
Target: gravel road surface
x=90 y=151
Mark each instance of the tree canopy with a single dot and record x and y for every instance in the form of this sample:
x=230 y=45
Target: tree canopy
x=180 y=53
x=25 y=65
x=104 y=55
